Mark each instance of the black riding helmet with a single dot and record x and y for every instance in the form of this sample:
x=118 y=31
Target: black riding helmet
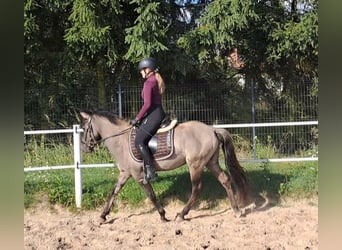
x=147 y=63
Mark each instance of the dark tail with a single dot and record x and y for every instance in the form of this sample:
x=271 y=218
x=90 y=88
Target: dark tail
x=234 y=168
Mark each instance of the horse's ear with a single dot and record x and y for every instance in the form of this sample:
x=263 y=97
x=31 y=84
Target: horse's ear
x=84 y=115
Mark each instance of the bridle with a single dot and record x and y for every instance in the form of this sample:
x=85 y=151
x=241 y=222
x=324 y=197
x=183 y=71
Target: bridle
x=90 y=132
x=93 y=141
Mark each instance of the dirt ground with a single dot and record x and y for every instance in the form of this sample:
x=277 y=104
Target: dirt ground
x=288 y=225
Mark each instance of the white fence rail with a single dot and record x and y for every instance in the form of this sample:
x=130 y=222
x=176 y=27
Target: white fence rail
x=77 y=166
x=76 y=131
x=271 y=124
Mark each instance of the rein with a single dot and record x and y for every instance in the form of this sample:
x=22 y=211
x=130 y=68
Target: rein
x=118 y=134
x=93 y=142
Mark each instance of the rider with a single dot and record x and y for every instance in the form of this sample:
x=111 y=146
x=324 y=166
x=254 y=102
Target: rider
x=151 y=114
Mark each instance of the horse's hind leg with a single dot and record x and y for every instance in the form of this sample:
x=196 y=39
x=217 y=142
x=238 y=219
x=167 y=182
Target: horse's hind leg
x=195 y=175
x=226 y=182
x=151 y=195
x=122 y=179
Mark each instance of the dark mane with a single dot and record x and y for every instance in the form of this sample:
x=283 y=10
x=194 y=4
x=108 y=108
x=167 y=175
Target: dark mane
x=112 y=117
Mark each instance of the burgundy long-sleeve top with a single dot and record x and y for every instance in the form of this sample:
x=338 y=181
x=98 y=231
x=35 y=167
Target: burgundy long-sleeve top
x=150 y=94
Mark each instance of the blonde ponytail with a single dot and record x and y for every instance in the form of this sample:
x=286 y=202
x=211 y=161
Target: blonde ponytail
x=161 y=83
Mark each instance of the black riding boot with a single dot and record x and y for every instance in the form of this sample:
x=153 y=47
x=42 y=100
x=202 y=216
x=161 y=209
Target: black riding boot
x=149 y=170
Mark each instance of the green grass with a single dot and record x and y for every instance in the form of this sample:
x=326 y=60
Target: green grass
x=283 y=180
x=274 y=180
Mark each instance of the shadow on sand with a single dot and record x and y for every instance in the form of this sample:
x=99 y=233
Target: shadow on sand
x=263 y=190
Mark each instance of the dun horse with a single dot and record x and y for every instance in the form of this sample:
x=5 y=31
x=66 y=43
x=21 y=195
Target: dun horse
x=195 y=144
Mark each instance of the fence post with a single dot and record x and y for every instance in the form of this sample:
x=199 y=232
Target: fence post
x=120 y=99
x=253 y=118
x=77 y=162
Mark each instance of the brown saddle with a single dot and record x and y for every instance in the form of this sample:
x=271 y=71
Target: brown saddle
x=161 y=144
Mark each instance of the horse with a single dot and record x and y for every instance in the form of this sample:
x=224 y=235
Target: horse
x=195 y=144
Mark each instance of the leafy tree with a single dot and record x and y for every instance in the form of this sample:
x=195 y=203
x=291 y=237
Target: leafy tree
x=44 y=50
x=89 y=36
x=278 y=41
x=146 y=38
x=272 y=38
x=71 y=46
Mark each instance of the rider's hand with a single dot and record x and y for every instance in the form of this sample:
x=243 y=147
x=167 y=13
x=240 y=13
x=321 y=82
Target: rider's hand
x=135 y=122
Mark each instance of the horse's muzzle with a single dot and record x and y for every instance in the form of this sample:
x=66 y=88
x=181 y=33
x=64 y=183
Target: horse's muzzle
x=87 y=148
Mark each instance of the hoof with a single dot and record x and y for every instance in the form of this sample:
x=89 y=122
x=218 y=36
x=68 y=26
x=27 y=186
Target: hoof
x=163 y=219
x=179 y=218
x=239 y=213
x=102 y=220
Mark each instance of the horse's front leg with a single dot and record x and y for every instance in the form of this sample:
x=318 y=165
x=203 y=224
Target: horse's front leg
x=151 y=195
x=122 y=179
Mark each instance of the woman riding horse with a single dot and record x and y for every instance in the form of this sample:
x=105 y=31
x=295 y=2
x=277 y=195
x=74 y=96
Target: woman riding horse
x=151 y=114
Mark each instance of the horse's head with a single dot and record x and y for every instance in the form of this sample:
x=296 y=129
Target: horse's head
x=90 y=135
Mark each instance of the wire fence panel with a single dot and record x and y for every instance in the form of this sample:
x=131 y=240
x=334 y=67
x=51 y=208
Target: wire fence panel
x=274 y=142
x=213 y=105
x=199 y=101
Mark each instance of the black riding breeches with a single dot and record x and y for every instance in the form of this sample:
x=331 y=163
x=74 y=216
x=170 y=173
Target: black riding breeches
x=148 y=127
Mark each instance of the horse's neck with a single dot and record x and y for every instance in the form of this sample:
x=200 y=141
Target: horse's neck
x=109 y=129
x=114 y=136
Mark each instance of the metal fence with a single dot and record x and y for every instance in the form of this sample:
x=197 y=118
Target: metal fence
x=244 y=103
x=222 y=104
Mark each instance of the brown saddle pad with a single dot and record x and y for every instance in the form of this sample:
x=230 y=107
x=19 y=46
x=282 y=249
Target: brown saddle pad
x=164 y=145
